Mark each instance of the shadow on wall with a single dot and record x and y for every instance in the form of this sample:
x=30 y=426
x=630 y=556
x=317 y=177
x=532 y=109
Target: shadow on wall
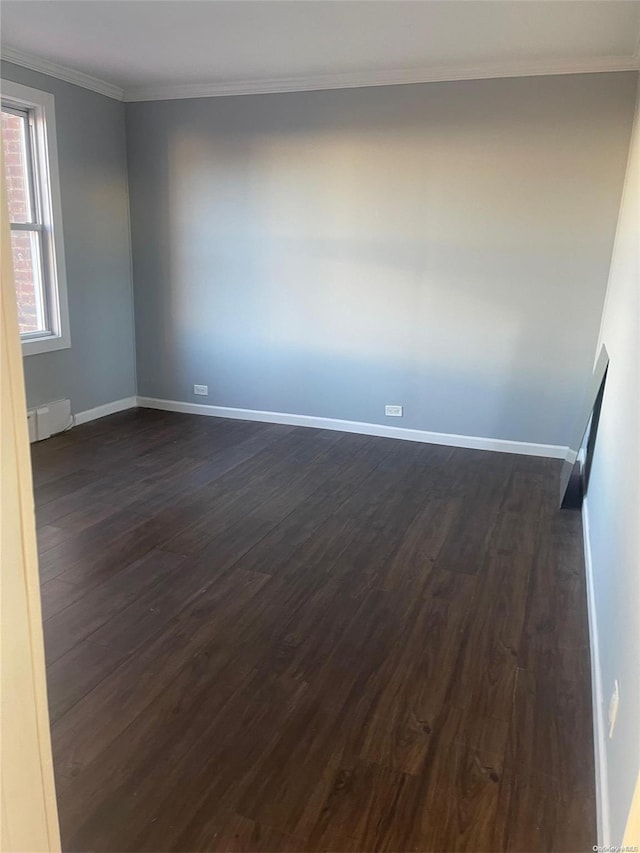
x=300 y=273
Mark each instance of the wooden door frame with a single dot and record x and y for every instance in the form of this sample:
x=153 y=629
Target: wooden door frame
x=29 y=810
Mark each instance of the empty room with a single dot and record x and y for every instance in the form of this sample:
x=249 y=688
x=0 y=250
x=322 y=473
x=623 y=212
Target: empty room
x=320 y=420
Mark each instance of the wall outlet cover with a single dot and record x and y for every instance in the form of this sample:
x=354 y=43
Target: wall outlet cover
x=393 y=411
x=202 y=390
x=614 y=702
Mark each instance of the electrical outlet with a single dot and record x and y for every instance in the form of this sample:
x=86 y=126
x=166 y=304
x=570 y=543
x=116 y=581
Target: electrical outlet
x=614 y=702
x=393 y=411
x=202 y=390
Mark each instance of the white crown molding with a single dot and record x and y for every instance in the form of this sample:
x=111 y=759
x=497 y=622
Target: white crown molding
x=341 y=80
x=352 y=80
x=60 y=72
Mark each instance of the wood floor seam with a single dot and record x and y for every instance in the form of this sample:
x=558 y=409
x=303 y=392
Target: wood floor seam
x=274 y=638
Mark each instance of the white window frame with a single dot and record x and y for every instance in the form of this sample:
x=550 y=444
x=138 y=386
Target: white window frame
x=41 y=108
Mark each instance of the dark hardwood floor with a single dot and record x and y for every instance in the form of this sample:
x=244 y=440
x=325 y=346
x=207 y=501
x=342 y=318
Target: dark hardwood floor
x=267 y=638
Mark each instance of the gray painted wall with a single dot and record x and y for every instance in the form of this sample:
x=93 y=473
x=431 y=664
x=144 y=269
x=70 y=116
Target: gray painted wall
x=614 y=506
x=442 y=246
x=100 y=365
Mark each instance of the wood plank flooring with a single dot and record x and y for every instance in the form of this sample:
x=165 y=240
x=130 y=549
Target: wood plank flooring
x=268 y=638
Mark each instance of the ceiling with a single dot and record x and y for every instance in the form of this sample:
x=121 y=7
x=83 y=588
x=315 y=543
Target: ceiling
x=145 y=49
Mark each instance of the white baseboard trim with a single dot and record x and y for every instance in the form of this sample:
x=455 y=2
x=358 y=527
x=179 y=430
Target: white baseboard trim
x=107 y=409
x=599 y=722
x=470 y=441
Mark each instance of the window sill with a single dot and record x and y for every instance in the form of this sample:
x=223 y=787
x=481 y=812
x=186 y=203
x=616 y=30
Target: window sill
x=48 y=343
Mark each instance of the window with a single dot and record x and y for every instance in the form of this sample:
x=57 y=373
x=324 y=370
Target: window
x=33 y=194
